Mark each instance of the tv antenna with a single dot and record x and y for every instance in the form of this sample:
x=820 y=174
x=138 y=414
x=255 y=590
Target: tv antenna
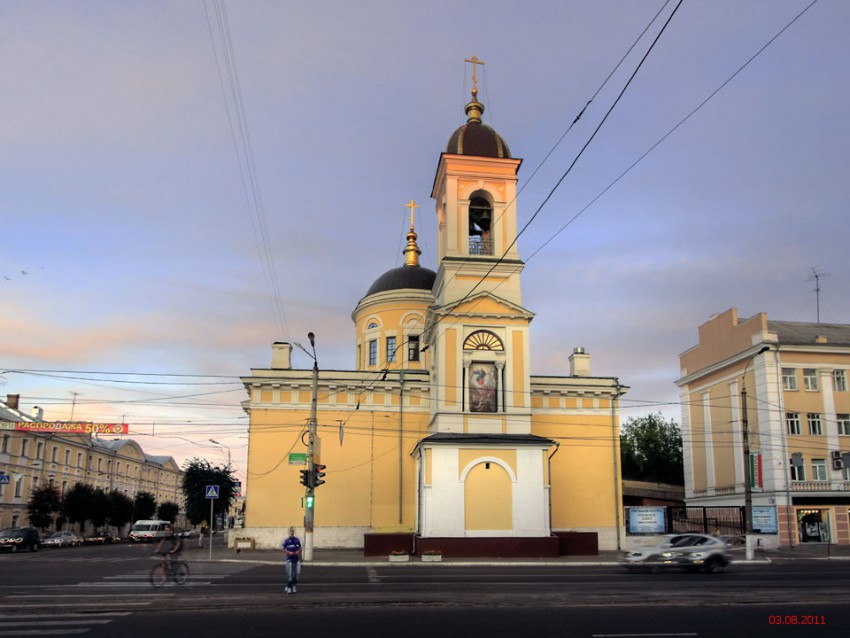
x=817 y=275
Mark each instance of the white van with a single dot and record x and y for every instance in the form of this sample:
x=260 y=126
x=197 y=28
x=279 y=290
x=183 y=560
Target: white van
x=148 y=530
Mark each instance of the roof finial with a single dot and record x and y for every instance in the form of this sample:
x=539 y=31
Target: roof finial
x=474 y=109
x=411 y=251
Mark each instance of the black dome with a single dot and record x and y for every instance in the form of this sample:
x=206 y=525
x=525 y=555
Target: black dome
x=476 y=138
x=415 y=277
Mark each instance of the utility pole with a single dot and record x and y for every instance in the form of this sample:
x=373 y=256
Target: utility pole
x=310 y=499
x=748 y=479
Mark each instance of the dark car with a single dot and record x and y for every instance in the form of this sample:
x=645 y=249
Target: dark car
x=100 y=537
x=20 y=538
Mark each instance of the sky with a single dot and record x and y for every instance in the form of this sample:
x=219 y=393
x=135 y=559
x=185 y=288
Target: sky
x=158 y=234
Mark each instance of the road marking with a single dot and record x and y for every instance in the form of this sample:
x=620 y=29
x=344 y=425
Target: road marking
x=373 y=575
x=642 y=635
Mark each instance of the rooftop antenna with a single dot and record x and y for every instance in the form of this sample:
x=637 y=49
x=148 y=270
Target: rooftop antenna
x=816 y=277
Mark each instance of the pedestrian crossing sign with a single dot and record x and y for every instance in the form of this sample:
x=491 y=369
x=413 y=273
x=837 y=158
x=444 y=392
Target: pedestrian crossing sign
x=212 y=491
x=5 y=479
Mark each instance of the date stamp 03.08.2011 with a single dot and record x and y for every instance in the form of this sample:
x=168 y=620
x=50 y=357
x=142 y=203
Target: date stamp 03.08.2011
x=796 y=619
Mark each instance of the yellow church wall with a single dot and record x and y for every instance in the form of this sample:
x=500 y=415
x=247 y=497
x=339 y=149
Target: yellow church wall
x=450 y=368
x=519 y=385
x=582 y=471
x=488 y=499
x=697 y=433
x=361 y=485
x=465 y=457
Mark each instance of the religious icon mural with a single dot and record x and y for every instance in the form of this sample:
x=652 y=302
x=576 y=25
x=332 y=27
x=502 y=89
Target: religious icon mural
x=482 y=387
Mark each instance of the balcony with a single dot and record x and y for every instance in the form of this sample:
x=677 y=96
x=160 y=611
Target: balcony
x=480 y=246
x=820 y=486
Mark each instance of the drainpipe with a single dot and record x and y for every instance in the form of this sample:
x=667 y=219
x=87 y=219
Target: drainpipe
x=549 y=463
x=400 y=446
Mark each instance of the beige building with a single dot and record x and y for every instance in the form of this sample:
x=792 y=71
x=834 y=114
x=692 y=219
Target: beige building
x=795 y=378
x=33 y=459
x=441 y=431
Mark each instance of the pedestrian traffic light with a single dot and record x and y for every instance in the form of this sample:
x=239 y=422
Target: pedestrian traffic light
x=309 y=502
x=305 y=478
x=318 y=473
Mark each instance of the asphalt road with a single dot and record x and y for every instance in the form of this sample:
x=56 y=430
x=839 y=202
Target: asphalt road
x=104 y=591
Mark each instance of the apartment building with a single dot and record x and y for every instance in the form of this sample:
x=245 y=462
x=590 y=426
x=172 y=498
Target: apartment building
x=32 y=459
x=794 y=377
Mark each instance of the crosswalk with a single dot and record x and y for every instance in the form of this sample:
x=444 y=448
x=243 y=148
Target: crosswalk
x=77 y=609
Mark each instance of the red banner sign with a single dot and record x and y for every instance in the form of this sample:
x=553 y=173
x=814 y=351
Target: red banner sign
x=66 y=427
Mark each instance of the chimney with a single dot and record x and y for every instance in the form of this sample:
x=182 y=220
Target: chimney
x=281 y=355
x=579 y=363
x=37 y=413
x=12 y=401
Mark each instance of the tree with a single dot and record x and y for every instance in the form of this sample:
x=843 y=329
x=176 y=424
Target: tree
x=100 y=507
x=651 y=450
x=168 y=511
x=43 y=504
x=77 y=503
x=120 y=508
x=199 y=473
x=144 y=506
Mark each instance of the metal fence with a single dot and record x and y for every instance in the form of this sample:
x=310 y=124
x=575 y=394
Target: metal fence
x=720 y=521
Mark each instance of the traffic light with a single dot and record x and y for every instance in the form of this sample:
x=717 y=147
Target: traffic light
x=309 y=502
x=318 y=473
x=305 y=478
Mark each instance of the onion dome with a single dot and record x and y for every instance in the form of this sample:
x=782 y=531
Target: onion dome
x=475 y=137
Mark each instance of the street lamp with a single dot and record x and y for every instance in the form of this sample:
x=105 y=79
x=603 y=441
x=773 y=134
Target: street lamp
x=225 y=447
x=748 y=488
x=309 y=497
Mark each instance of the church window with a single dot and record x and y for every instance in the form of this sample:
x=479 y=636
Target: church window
x=480 y=227
x=372 y=326
x=413 y=348
x=391 y=348
x=373 y=352
x=483 y=340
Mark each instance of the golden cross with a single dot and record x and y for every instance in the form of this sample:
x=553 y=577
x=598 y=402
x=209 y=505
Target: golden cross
x=412 y=206
x=474 y=61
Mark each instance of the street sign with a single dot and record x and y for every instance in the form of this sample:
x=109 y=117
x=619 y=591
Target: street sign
x=211 y=491
x=5 y=479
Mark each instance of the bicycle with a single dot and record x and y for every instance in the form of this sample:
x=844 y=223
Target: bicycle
x=175 y=570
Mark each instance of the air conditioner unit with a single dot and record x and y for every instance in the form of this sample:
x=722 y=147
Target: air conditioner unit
x=837 y=464
x=835 y=454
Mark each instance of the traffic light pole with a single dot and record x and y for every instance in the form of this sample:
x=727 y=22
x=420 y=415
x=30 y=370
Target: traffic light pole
x=310 y=500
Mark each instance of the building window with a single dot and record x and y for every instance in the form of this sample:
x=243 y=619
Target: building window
x=792 y=421
x=480 y=222
x=815 y=424
x=798 y=472
x=39 y=446
x=67 y=458
x=79 y=459
x=373 y=352
x=19 y=487
x=15 y=519
x=789 y=378
x=24 y=445
x=54 y=454
x=483 y=340
x=810 y=379
x=391 y=348
x=819 y=470
x=843 y=421
x=413 y=348
x=839 y=380
x=5 y=446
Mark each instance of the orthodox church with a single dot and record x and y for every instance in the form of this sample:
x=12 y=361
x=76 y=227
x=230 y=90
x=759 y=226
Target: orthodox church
x=441 y=434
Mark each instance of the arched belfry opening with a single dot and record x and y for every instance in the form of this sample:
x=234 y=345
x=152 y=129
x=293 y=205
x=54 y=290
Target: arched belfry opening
x=480 y=226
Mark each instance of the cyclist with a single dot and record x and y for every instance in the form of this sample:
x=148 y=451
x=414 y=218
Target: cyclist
x=175 y=543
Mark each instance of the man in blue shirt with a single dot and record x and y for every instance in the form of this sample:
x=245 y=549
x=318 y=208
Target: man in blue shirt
x=292 y=548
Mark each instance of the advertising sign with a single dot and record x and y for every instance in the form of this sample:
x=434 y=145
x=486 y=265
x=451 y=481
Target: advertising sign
x=647 y=520
x=66 y=427
x=764 y=519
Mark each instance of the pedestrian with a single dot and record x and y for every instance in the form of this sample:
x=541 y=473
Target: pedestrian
x=291 y=546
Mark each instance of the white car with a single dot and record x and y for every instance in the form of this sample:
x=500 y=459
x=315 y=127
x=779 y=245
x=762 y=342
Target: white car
x=693 y=552
x=62 y=539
